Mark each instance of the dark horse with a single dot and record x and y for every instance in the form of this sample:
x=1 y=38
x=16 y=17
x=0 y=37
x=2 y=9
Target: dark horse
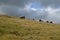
x=23 y=17
x=40 y=20
x=51 y=22
x=47 y=21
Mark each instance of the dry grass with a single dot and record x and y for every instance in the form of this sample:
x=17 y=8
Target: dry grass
x=12 y=28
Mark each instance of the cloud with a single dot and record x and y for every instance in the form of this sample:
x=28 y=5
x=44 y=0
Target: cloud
x=52 y=3
x=33 y=13
x=19 y=3
x=9 y=10
x=54 y=14
x=22 y=3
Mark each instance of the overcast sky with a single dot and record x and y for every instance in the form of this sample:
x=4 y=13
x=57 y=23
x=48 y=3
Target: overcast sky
x=37 y=9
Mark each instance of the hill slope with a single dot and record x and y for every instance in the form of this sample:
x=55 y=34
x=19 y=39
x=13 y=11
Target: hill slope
x=12 y=28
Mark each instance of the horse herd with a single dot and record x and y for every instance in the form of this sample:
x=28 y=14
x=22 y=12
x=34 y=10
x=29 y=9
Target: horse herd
x=40 y=20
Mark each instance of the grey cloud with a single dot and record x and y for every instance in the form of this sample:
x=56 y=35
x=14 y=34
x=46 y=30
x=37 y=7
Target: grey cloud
x=20 y=3
x=33 y=14
x=55 y=17
x=45 y=3
x=9 y=10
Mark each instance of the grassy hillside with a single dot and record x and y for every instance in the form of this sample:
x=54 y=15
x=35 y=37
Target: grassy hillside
x=12 y=28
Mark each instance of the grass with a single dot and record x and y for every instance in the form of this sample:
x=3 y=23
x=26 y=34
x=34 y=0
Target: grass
x=13 y=28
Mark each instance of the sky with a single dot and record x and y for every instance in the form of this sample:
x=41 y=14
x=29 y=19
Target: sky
x=37 y=9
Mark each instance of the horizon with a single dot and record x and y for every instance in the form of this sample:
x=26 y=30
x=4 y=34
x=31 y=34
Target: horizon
x=38 y=9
